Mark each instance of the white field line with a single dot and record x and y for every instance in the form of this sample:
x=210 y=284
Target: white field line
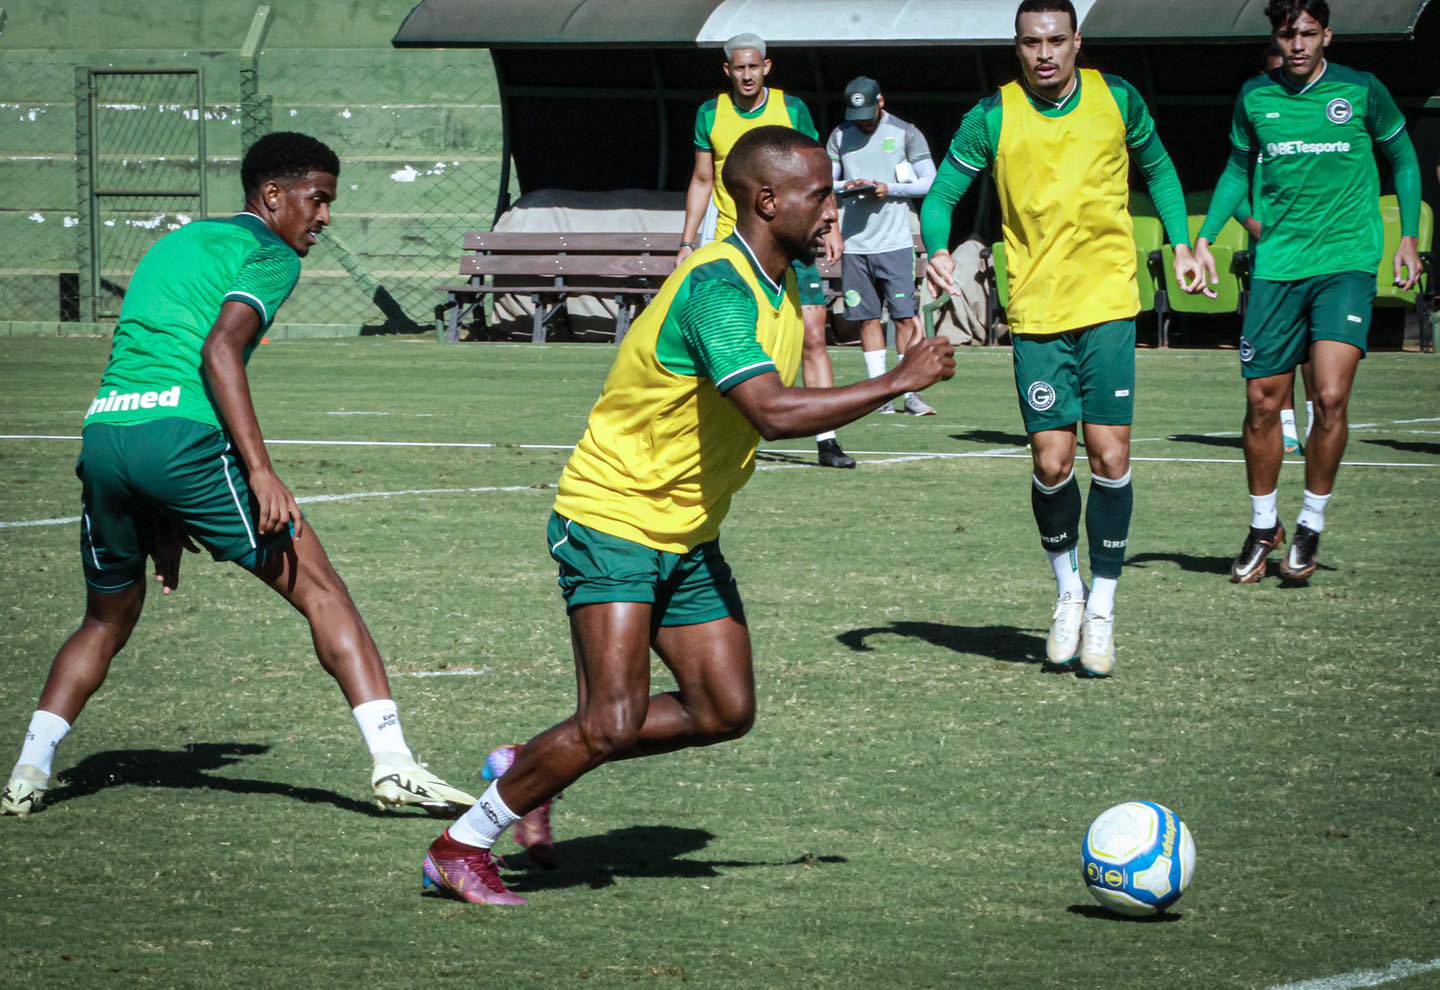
x=463 y=672
x=1400 y=969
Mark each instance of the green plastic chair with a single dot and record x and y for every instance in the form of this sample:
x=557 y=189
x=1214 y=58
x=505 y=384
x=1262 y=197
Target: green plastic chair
x=1231 y=251
x=1387 y=295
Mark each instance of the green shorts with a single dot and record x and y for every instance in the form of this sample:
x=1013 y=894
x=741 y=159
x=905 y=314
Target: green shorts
x=686 y=589
x=812 y=286
x=1083 y=375
x=1282 y=319
x=178 y=467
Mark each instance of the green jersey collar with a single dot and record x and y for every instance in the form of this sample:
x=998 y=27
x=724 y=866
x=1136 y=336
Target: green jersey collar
x=1046 y=105
x=776 y=292
x=1302 y=90
x=754 y=111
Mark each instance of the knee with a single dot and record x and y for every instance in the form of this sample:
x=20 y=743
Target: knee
x=728 y=719
x=1053 y=467
x=1331 y=406
x=608 y=729
x=814 y=335
x=1263 y=407
x=1111 y=463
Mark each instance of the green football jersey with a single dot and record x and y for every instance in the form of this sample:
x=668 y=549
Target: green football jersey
x=795 y=107
x=173 y=300
x=1318 y=185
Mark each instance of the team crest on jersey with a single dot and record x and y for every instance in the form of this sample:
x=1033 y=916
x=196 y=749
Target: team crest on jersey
x=1339 y=111
x=890 y=145
x=1247 y=349
x=1041 y=396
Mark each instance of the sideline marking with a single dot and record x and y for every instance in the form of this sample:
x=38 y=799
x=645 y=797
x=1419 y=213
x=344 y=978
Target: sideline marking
x=1398 y=970
x=463 y=672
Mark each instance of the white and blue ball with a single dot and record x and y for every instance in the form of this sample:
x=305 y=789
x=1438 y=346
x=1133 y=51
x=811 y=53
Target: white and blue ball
x=1138 y=858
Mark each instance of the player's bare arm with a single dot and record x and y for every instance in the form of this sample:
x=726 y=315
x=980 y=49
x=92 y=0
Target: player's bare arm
x=224 y=362
x=697 y=199
x=779 y=413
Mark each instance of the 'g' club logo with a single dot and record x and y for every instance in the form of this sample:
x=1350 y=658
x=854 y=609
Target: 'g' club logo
x=1041 y=396
x=890 y=145
x=852 y=298
x=857 y=99
x=1247 y=349
x=1339 y=111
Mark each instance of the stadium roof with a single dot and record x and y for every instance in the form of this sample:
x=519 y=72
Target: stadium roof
x=633 y=23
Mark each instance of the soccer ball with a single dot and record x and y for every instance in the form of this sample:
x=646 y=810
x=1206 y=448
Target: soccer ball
x=1138 y=858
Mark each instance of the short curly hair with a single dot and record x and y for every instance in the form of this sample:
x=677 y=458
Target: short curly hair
x=285 y=155
x=1285 y=12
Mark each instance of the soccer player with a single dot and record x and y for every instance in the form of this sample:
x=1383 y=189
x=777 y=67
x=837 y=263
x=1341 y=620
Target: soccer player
x=172 y=450
x=704 y=374
x=1314 y=127
x=880 y=163
x=1059 y=143
x=719 y=123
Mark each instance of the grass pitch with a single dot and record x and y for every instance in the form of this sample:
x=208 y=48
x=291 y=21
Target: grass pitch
x=908 y=809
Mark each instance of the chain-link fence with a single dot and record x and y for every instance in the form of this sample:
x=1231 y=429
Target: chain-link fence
x=98 y=160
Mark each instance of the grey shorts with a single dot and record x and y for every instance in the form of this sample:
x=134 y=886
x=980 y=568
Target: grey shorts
x=875 y=281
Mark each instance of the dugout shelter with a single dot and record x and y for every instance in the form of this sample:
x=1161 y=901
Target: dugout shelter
x=601 y=94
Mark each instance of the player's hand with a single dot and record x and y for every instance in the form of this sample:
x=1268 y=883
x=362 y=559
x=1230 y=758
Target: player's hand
x=1189 y=272
x=925 y=363
x=167 y=542
x=881 y=190
x=1253 y=227
x=1408 y=267
x=682 y=254
x=856 y=183
x=1209 y=275
x=834 y=246
x=940 y=273
x=278 y=508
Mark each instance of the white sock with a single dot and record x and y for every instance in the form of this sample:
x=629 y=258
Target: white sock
x=875 y=362
x=1066 y=565
x=1309 y=417
x=42 y=739
x=1102 y=597
x=1287 y=422
x=1263 y=514
x=1312 y=514
x=827 y=435
x=379 y=723
x=483 y=824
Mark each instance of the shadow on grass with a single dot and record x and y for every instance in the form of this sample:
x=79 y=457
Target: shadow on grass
x=781 y=457
x=637 y=851
x=187 y=768
x=1005 y=643
x=1185 y=561
x=1100 y=914
x=1410 y=446
x=1200 y=438
x=995 y=437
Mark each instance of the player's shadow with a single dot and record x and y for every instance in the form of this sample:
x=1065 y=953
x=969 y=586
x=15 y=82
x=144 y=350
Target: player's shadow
x=1185 y=561
x=781 y=457
x=1410 y=446
x=1005 y=643
x=1208 y=441
x=639 y=851
x=993 y=437
x=188 y=768
x=1100 y=914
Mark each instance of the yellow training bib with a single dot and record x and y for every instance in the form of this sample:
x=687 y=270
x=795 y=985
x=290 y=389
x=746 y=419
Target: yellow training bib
x=664 y=453
x=1065 y=204
x=728 y=128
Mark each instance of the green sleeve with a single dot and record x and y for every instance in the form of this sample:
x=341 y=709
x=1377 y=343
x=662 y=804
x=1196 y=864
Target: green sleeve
x=1406 y=164
x=704 y=120
x=937 y=212
x=1139 y=125
x=1383 y=118
x=1230 y=191
x=718 y=323
x=800 y=116
x=266 y=280
x=973 y=147
x=1242 y=135
x=1164 y=185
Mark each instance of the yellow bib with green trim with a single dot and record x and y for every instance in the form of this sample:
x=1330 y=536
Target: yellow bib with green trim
x=664 y=453
x=1064 y=186
x=728 y=128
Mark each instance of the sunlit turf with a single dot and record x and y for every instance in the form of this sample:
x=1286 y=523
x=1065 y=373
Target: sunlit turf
x=908 y=809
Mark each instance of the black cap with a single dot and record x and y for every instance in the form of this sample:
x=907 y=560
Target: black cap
x=862 y=98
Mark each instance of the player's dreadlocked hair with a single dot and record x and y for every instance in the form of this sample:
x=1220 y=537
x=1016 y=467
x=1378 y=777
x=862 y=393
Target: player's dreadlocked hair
x=1046 y=7
x=285 y=155
x=1283 y=12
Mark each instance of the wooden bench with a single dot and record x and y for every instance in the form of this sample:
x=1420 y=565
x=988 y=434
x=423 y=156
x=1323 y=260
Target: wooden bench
x=549 y=268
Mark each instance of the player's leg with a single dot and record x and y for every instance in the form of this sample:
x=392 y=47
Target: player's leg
x=113 y=558
x=1107 y=406
x=1288 y=426
x=1340 y=327
x=1307 y=375
x=863 y=306
x=895 y=275
x=815 y=359
x=1274 y=341
x=1046 y=379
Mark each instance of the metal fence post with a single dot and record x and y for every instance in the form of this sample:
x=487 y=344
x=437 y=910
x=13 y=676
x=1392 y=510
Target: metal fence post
x=254 y=109
x=87 y=238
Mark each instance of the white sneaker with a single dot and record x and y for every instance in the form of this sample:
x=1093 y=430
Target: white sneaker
x=888 y=409
x=400 y=782
x=916 y=406
x=1063 y=642
x=1097 y=651
x=25 y=792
